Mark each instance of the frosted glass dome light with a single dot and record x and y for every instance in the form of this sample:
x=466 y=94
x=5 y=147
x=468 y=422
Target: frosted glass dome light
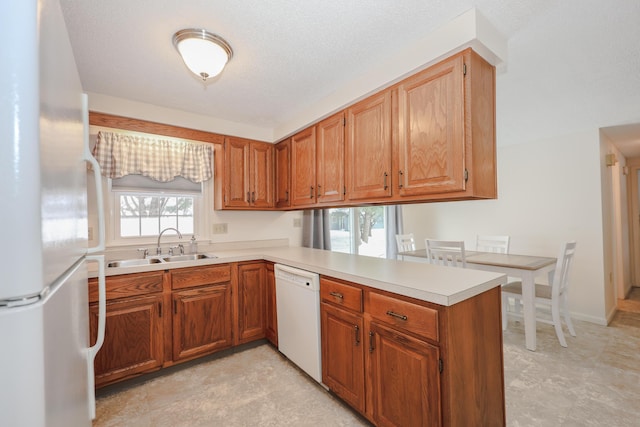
x=204 y=53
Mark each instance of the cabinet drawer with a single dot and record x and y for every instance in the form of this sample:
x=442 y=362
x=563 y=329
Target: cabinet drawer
x=199 y=276
x=341 y=294
x=404 y=315
x=127 y=285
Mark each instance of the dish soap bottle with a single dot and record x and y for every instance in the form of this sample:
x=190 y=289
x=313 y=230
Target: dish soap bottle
x=193 y=247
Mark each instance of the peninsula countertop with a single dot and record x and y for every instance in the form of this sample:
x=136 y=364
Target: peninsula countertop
x=433 y=283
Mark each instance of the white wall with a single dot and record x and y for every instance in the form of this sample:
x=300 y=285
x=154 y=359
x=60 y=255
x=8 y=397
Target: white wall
x=549 y=192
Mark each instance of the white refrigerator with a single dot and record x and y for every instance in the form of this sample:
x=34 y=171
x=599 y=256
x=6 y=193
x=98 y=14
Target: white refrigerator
x=46 y=363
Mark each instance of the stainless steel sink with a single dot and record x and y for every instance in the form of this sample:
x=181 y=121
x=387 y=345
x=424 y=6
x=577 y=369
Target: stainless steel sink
x=190 y=257
x=133 y=262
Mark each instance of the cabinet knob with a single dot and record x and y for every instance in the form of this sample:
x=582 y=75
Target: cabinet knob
x=311 y=192
x=385 y=180
x=357 y=331
x=400 y=179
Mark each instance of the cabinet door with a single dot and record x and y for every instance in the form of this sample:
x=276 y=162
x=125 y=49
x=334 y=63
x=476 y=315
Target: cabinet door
x=261 y=174
x=133 y=341
x=251 y=302
x=330 y=159
x=283 y=174
x=201 y=321
x=271 y=314
x=431 y=135
x=303 y=167
x=368 y=153
x=236 y=172
x=405 y=379
x=343 y=354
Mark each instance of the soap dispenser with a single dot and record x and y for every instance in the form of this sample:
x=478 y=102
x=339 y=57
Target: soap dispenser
x=193 y=247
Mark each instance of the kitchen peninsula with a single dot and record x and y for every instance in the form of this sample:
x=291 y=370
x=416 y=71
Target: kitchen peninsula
x=436 y=360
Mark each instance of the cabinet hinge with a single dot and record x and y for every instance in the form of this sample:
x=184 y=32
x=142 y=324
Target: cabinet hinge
x=440 y=368
x=464 y=69
x=344 y=190
x=160 y=309
x=344 y=121
x=466 y=175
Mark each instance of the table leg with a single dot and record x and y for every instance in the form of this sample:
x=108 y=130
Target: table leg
x=529 y=310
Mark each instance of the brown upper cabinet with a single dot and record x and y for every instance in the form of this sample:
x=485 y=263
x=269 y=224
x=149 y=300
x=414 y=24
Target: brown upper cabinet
x=283 y=174
x=247 y=174
x=303 y=168
x=444 y=134
x=429 y=137
x=368 y=148
x=330 y=159
x=317 y=163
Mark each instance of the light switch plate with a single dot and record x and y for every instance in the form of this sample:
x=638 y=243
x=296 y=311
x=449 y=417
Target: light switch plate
x=297 y=222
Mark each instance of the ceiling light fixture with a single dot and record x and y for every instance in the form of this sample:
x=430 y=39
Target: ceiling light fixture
x=204 y=53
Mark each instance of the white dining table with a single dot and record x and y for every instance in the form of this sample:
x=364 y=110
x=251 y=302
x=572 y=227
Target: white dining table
x=525 y=267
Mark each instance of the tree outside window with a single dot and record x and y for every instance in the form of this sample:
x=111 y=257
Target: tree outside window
x=358 y=230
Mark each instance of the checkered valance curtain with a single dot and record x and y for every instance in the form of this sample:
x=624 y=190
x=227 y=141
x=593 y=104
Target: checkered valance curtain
x=122 y=154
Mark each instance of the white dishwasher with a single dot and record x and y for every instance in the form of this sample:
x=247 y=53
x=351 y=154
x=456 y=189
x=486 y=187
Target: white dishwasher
x=298 y=312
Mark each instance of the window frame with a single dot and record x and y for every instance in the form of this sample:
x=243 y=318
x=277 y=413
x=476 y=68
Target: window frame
x=201 y=203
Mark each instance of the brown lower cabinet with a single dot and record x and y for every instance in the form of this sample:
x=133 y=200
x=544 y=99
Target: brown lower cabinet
x=201 y=321
x=405 y=362
x=133 y=342
x=343 y=347
x=397 y=360
x=271 y=314
x=251 y=301
x=160 y=318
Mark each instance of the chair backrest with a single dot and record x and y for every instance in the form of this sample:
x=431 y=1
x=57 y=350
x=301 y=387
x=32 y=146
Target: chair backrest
x=560 y=283
x=497 y=244
x=446 y=252
x=405 y=242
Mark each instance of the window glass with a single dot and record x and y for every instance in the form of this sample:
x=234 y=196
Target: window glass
x=359 y=230
x=147 y=215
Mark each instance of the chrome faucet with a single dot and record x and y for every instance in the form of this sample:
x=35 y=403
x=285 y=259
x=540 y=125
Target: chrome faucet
x=158 y=249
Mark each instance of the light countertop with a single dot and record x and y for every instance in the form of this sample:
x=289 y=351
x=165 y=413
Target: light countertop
x=437 y=284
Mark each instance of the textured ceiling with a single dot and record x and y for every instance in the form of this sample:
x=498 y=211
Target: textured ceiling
x=571 y=64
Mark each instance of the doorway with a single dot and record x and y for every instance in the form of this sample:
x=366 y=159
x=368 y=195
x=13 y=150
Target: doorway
x=633 y=197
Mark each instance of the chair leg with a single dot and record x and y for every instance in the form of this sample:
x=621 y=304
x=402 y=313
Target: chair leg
x=505 y=302
x=567 y=317
x=517 y=305
x=557 y=324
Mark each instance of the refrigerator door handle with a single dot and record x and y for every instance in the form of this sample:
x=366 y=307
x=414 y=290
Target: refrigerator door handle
x=97 y=175
x=102 y=318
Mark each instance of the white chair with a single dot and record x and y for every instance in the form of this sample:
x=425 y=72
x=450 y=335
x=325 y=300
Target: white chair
x=446 y=252
x=405 y=243
x=496 y=244
x=554 y=295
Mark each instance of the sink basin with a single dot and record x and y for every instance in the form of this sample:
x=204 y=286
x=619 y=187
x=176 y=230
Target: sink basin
x=133 y=262
x=190 y=257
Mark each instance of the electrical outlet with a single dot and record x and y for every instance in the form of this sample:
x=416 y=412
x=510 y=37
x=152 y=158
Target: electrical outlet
x=220 y=228
x=297 y=222
x=90 y=234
